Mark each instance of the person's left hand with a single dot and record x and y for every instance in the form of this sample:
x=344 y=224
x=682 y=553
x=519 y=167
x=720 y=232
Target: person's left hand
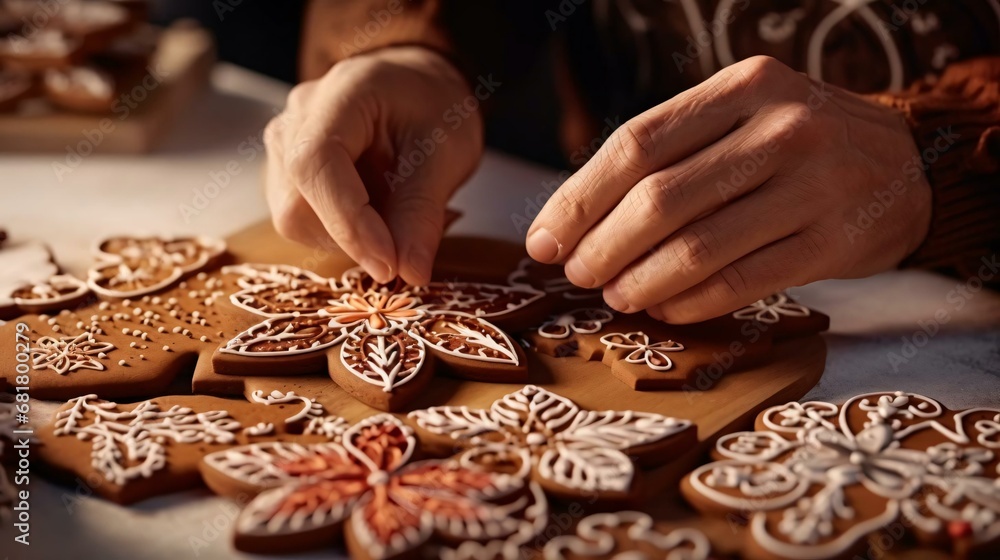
x=754 y=181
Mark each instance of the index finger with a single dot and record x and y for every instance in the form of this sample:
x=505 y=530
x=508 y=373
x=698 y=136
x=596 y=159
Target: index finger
x=321 y=162
x=645 y=144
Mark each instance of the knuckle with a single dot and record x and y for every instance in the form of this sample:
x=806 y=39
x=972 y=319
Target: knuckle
x=299 y=94
x=305 y=163
x=663 y=193
x=694 y=248
x=573 y=207
x=632 y=147
x=273 y=132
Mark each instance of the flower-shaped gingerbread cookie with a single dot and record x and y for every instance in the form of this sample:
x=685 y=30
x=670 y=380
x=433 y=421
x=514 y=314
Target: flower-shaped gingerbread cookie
x=570 y=451
x=365 y=487
x=816 y=479
x=386 y=333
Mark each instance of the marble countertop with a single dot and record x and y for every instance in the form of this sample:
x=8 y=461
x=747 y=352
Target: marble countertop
x=909 y=330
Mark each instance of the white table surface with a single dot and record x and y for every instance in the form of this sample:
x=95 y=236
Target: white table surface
x=871 y=318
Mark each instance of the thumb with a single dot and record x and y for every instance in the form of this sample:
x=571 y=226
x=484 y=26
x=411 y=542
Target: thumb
x=417 y=225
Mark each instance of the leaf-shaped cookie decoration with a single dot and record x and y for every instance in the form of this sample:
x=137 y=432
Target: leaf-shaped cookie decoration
x=384 y=359
x=273 y=300
x=478 y=300
x=286 y=335
x=464 y=336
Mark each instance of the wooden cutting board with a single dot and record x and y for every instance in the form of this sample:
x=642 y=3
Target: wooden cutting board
x=731 y=405
x=184 y=58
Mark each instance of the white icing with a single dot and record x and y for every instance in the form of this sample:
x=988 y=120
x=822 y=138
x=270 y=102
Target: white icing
x=577 y=449
x=22 y=265
x=581 y=321
x=770 y=310
x=532 y=515
x=653 y=355
x=63 y=355
x=594 y=538
x=386 y=366
x=208 y=248
x=260 y=333
x=132 y=444
x=90 y=81
x=258 y=463
x=310 y=408
x=808 y=477
x=261 y=429
x=475 y=343
x=331 y=427
x=48 y=292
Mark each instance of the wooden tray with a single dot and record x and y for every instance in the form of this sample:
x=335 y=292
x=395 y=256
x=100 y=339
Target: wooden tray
x=730 y=406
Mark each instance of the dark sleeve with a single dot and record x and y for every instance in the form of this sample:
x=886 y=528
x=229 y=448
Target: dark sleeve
x=481 y=37
x=956 y=124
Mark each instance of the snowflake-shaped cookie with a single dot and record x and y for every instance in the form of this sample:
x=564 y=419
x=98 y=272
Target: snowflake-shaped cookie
x=366 y=487
x=816 y=479
x=388 y=334
x=567 y=450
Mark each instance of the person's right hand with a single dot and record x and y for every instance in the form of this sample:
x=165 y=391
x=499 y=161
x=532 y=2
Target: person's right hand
x=368 y=156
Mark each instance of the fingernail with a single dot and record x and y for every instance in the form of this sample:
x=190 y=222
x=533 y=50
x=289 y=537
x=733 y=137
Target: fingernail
x=381 y=272
x=542 y=246
x=578 y=273
x=615 y=300
x=420 y=262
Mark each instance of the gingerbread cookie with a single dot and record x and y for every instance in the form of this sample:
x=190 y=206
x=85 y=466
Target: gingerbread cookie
x=380 y=342
x=128 y=453
x=95 y=23
x=647 y=354
x=569 y=451
x=626 y=534
x=816 y=480
x=123 y=347
x=80 y=88
x=40 y=51
x=22 y=265
x=784 y=315
x=137 y=266
x=364 y=487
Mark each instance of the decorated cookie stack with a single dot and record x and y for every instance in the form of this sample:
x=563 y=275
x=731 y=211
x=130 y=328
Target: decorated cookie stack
x=78 y=55
x=500 y=415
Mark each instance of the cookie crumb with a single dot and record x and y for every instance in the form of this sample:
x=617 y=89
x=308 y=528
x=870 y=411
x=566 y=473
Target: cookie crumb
x=166 y=348
x=122 y=363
